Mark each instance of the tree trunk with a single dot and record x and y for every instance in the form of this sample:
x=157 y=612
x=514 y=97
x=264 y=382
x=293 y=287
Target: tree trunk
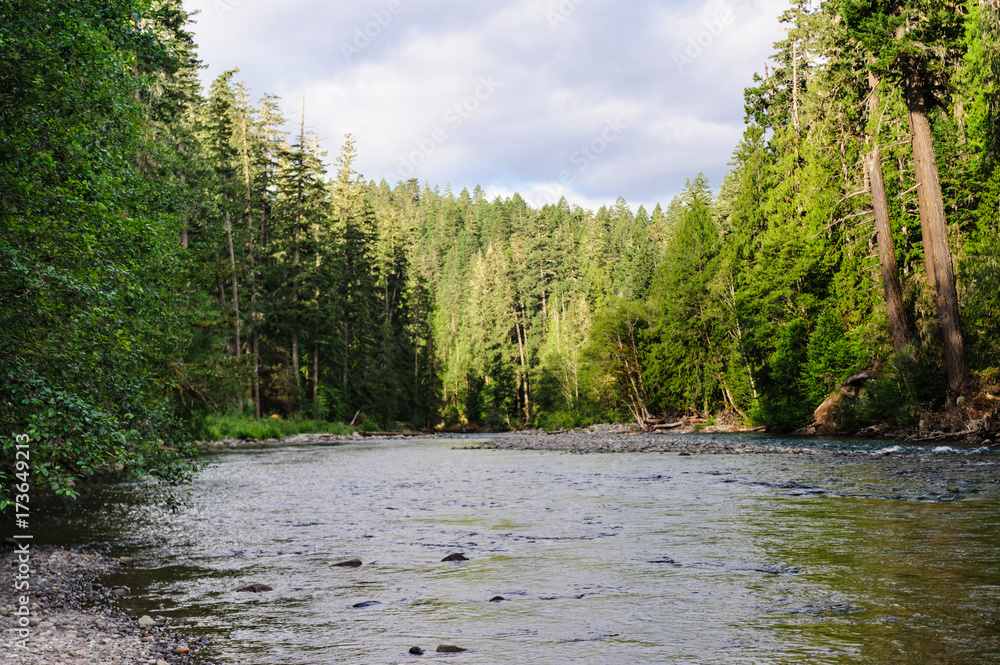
x=887 y=252
x=346 y=359
x=236 y=297
x=315 y=376
x=256 y=373
x=521 y=342
x=252 y=274
x=934 y=225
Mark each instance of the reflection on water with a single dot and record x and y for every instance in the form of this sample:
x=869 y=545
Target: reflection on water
x=631 y=558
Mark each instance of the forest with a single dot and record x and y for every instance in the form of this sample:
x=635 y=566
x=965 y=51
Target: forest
x=171 y=255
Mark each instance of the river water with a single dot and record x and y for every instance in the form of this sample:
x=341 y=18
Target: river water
x=617 y=558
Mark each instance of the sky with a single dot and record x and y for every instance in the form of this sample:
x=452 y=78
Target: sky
x=588 y=99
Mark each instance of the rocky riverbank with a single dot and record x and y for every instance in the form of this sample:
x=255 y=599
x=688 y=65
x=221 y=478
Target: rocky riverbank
x=73 y=617
x=631 y=439
x=307 y=439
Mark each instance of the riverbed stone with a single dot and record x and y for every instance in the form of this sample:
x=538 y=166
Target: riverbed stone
x=351 y=563
x=255 y=588
x=457 y=556
x=449 y=648
x=146 y=621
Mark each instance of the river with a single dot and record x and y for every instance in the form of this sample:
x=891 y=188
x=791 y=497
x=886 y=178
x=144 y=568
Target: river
x=601 y=558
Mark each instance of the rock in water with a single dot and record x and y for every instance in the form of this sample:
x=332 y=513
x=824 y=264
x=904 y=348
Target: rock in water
x=826 y=415
x=367 y=603
x=458 y=556
x=353 y=563
x=255 y=588
x=449 y=648
x=497 y=599
x=416 y=651
x=146 y=621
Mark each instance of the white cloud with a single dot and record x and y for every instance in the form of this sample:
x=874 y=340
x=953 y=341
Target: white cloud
x=560 y=85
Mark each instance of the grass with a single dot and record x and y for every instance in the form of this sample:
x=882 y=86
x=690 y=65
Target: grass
x=240 y=426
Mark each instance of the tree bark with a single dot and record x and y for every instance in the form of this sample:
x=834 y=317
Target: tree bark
x=255 y=348
x=295 y=280
x=887 y=252
x=524 y=366
x=315 y=375
x=934 y=225
x=236 y=297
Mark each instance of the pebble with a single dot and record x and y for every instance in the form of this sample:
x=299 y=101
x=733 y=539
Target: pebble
x=73 y=620
x=602 y=440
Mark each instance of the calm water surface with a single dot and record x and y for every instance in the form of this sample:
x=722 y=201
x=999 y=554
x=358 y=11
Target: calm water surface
x=629 y=558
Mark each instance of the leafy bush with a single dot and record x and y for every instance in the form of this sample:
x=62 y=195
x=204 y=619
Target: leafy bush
x=904 y=387
x=217 y=427
x=558 y=420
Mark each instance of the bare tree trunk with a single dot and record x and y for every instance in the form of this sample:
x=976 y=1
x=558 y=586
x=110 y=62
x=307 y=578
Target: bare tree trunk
x=887 y=252
x=524 y=367
x=256 y=374
x=346 y=359
x=940 y=272
x=795 y=84
x=236 y=297
x=315 y=373
x=295 y=281
x=254 y=335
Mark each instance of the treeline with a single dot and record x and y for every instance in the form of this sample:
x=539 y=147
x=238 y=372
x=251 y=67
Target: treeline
x=170 y=253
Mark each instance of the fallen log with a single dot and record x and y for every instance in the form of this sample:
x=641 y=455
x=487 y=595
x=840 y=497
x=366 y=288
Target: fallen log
x=666 y=426
x=944 y=436
x=387 y=434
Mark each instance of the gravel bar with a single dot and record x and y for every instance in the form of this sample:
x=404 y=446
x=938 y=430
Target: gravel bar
x=73 y=618
x=583 y=442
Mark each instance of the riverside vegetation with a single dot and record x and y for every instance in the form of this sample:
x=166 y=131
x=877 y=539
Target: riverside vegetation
x=173 y=258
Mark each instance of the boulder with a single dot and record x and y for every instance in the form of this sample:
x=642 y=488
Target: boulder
x=146 y=621
x=416 y=651
x=458 y=556
x=825 y=417
x=255 y=588
x=353 y=563
x=449 y=648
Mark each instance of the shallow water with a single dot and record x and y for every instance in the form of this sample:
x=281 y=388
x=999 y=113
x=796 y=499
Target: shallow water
x=628 y=558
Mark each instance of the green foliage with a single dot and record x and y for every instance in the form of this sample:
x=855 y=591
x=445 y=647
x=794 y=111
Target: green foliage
x=218 y=427
x=830 y=357
x=904 y=388
x=208 y=266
